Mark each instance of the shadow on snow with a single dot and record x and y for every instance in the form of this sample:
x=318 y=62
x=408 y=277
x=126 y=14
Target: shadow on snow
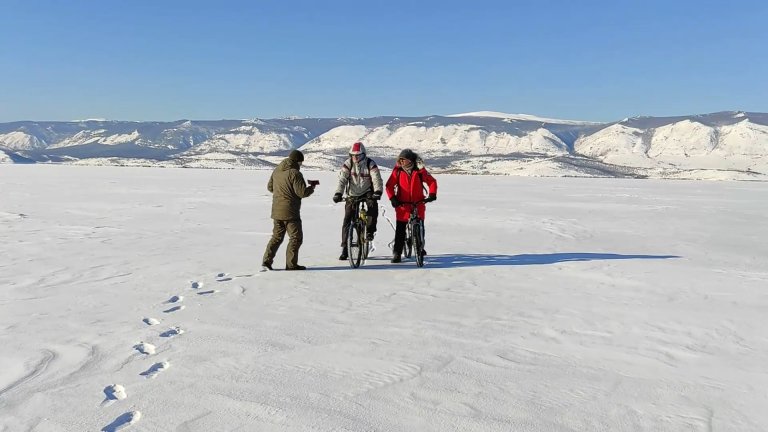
x=485 y=260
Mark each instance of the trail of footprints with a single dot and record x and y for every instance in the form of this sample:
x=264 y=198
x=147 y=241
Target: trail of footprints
x=116 y=392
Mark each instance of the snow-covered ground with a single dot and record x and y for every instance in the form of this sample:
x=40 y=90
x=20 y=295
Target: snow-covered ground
x=131 y=297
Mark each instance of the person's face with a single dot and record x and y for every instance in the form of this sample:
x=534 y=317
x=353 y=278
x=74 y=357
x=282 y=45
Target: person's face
x=356 y=158
x=405 y=163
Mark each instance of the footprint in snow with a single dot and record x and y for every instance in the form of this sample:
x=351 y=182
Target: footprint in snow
x=114 y=392
x=175 y=299
x=173 y=331
x=223 y=277
x=155 y=369
x=151 y=321
x=122 y=422
x=196 y=284
x=12 y=216
x=145 y=348
x=207 y=292
x=174 y=309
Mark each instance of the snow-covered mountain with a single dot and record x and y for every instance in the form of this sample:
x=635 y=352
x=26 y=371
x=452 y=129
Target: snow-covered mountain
x=735 y=144
x=726 y=141
x=22 y=140
x=520 y=117
x=7 y=156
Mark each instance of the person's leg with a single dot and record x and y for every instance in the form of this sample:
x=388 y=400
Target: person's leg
x=278 y=233
x=397 y=249
x=349 y=209
x=296 y=238
x=373 y=216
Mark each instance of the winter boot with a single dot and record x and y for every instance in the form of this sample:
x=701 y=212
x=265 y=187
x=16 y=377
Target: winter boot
x=344 y=255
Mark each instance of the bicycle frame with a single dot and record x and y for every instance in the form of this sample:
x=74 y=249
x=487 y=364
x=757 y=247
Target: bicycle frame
x=414 y=235
x=357 y=242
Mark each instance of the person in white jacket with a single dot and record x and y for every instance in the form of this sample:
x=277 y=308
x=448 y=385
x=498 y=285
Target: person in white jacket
x=359 y=176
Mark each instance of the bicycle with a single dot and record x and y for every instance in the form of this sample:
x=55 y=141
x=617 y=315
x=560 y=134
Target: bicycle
x=358 y=245
x=414 y=234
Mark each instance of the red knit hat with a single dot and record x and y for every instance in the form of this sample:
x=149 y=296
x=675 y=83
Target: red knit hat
x=357 y=148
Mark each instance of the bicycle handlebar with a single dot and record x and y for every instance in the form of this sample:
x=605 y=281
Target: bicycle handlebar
x=415 y=202
x=359 y=198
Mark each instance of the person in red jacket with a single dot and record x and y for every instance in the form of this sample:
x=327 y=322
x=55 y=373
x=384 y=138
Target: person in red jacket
x=406 y=186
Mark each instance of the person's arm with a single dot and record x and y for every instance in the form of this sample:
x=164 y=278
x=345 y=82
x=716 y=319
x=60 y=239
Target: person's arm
x=300 y=186
x=378 y=183
x=391 y=183
x=430 y=181
x=343 y=179
x=431 y=184
x=269 y=184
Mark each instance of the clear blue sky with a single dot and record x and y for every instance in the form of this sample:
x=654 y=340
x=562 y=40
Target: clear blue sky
x=572 y=59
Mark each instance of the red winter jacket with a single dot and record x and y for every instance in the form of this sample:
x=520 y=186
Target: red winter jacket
x=409 y=189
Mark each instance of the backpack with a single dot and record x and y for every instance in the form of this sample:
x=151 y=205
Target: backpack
x=368 y=161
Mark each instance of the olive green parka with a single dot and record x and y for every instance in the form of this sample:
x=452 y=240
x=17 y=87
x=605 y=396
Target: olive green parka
x=288 y=188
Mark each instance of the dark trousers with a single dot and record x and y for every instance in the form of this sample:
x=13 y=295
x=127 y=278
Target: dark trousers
x=349 y=213
x=296 y=237
x=397 y=248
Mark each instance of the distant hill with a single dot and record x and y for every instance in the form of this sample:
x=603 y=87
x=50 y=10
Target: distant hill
x=718 y=145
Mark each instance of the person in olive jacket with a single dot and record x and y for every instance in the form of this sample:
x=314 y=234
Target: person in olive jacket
x=288 y=187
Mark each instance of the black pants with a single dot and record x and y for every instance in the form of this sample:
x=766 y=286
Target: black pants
x=397 y=248
x=349 y=213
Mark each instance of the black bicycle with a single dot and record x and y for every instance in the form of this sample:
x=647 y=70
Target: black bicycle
x=414 y=235
x=358 y=245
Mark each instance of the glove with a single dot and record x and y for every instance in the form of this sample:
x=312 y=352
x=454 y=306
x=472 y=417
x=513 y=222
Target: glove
x=395 y=202
x=376 y=195
x=432 y=197
x=337 y=197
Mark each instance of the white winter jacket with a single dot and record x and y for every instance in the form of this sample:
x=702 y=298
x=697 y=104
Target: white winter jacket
x=360 y=178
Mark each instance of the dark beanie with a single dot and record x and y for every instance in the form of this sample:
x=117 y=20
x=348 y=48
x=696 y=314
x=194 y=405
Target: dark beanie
x=296 y=156
x=407 y=154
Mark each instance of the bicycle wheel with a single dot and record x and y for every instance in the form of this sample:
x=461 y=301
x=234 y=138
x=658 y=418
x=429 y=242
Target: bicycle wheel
x=418 y=244
x=354 y=245
x=408 y=247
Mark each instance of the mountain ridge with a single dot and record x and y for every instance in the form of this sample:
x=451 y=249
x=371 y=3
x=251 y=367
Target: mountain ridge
x=478 y=142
